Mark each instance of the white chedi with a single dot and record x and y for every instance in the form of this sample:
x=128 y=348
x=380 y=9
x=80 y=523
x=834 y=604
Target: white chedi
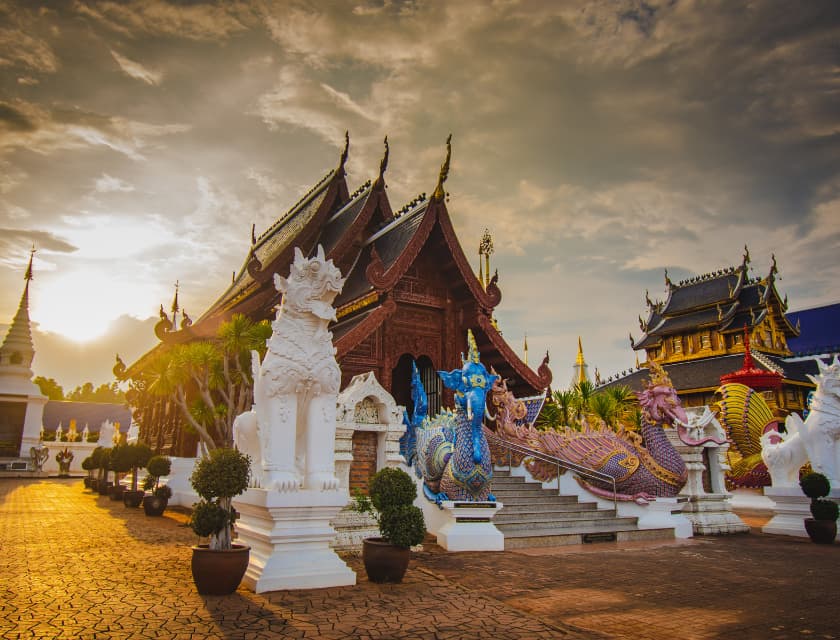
x=817 y=439
x=290 y=432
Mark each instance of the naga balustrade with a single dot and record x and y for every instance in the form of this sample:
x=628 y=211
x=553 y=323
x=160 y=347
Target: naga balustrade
x=560 y=463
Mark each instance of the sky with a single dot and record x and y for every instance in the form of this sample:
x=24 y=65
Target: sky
x=600 y=143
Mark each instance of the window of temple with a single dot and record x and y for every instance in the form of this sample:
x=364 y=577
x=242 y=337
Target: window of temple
x=705 y=340
x=431 y=382
x=791 y=396
x=677 y=345
x=738 y=339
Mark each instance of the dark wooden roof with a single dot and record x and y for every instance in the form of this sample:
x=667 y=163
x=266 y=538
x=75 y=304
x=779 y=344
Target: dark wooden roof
x=705 y=373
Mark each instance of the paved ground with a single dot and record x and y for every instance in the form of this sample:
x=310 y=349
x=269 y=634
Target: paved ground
x=76 y=565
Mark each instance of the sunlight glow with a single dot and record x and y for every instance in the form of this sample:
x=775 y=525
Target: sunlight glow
x=81 y=305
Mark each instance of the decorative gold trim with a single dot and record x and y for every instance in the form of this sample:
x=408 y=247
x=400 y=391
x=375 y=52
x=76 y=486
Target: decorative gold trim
x=350 y=307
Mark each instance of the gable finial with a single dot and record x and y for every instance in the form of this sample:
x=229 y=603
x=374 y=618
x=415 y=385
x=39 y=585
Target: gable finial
x=383 y=164
x=444 y=171
x=253 y=234
x=346 y=150
x=746 y=255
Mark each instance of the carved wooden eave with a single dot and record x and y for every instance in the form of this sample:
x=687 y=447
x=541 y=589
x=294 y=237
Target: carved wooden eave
x=487 y=300
x=364 y=328
x=539 y=380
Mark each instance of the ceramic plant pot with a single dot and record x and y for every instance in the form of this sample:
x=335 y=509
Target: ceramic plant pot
x=384 y=562
x=821 y=531
x=154 y=505
x=218 y=573
x=116 y=492
x=133 y=499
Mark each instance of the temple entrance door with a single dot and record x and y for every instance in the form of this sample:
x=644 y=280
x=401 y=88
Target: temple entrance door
x=401 y=383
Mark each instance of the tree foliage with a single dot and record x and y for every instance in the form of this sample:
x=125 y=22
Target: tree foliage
x=49 y=387
x=615 y=406
x=86 y=392
x=210 y=380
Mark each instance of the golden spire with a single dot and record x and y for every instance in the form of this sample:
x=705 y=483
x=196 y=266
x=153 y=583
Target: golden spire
x=580 y=374
x=444 y=171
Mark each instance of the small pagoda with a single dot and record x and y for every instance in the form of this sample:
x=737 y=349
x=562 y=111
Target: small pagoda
x=410 y=295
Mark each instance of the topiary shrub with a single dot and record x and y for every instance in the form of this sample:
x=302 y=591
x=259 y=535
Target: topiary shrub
x=217 y=478
x=816 y=486
x=392 y=493
x=157 y=466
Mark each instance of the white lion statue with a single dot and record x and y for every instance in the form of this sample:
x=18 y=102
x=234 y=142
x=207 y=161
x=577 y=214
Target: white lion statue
x=290 y=432
x=816 y=439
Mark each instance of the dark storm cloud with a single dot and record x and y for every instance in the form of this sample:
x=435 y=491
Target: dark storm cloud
x=14 y=120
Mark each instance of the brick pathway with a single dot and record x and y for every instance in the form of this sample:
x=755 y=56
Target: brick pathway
x=76 y=565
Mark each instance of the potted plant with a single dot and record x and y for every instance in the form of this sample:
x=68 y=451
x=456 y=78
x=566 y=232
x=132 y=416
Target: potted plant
x=117 y=464
x=131 y=457
x=218 y=567
x=155 y=502
x=88 y=465
x=822 y=528
x=104 y=462
x=392 y=494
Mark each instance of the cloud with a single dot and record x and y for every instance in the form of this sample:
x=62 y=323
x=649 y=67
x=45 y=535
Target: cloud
x=193 y=21
x=109 y=184
x=21 y=44
x=16 y=243
x=137 y=70
x=42 y=130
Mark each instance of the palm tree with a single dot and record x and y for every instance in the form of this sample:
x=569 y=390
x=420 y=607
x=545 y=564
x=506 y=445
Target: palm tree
x=210 y=380
x=583 y=392
x=564 y=400
x=605 y=407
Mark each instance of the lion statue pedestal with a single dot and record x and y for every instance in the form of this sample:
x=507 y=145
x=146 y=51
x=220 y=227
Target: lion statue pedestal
x=290 y=437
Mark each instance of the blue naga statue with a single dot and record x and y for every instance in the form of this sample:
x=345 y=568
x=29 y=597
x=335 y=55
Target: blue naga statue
x=450 y=451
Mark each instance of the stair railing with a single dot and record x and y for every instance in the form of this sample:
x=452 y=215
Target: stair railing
x=560 y=463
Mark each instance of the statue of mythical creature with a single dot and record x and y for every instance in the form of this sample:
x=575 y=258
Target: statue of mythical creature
x=450 y=451
x=290 y=432
x=644 y=467
x=408 y=442
x=746 y=418
x=817 y=439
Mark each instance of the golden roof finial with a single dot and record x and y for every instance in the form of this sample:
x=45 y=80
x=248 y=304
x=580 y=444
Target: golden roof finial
x=383 y=164
x=346 y=150
x=485 y=247
x=473 y=349
x=175 y=307
x=444 y=171
x=746 y=255
x=580 y=359
x=526 y=348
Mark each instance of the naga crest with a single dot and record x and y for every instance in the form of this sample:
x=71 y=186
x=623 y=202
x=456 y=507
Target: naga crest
x=471 y=383
x=659 y=399
x=311 y=287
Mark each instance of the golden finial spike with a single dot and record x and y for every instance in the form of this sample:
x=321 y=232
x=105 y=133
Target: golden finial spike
x=383 y=164
x=444 y=171
x=175 y=307
x=473 y=349
x=346 y=150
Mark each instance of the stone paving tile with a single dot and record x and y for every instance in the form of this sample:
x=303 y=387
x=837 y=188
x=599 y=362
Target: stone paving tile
x=77 y=565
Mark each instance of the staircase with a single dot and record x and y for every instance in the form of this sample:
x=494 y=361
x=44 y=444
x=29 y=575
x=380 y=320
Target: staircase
x=537 y=517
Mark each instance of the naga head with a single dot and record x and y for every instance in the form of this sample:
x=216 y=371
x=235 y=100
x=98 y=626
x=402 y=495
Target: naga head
x=312 y=285
x=659 y=400
x=471 y=384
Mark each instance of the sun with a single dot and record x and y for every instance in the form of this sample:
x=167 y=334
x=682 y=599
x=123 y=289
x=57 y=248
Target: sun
x=80 y=305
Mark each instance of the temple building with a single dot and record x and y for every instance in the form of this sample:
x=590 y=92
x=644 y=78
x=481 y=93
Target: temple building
x=698 y=335
x=409 y=295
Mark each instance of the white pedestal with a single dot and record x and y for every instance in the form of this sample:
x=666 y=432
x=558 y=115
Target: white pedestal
x=662 y=513
x=792 y=507
x=289 y=535
x=711 y=514
x=468 y=526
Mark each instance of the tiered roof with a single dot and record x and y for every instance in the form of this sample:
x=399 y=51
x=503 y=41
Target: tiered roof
x=725 y=301
x=373 y=247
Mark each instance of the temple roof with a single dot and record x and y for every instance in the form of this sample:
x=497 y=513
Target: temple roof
x=705 y=373
x=374 y=247
x=90 y=414
x=725 y=300
x=820 y=330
